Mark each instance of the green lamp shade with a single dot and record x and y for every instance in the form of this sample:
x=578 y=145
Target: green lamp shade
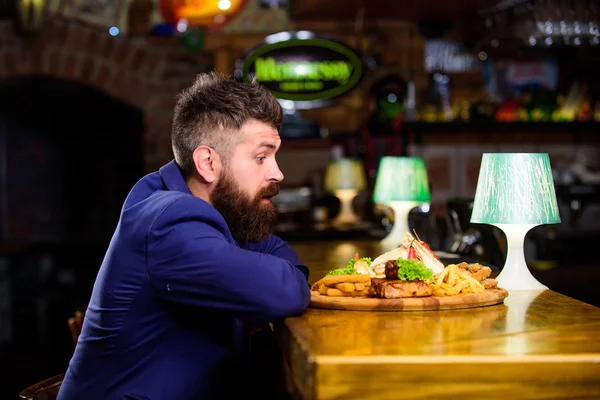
x=515 y=188
x=401 y=179
x=345 y=173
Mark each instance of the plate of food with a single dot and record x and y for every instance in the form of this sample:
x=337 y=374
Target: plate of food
x=409 y=278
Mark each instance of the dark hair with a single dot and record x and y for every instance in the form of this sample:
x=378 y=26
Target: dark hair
x=211 y=112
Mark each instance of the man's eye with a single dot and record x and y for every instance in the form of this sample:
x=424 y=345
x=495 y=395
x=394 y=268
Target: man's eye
x=261 y=158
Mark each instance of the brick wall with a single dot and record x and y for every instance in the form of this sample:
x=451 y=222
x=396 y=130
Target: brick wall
x=147 y=74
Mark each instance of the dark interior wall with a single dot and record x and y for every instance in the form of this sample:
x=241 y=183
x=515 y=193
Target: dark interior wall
x=69 y=154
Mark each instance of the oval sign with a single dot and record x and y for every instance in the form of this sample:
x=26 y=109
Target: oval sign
x=302 y=68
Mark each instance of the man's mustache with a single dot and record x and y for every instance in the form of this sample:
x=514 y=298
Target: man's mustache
x=270 y=191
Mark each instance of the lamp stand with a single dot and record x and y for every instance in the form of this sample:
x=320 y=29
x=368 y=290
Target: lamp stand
x=401 y=210
x=515 y=274
x=346 y=216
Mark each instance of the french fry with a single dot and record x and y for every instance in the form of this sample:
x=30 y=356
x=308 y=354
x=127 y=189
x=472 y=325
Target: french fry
x=358 y=293
x=449 y=289
x=441 y=276
x=461 y=285
x=346 y=287
x=343 y=285
x=456 y=279
x=335 y=293
x=451 y=275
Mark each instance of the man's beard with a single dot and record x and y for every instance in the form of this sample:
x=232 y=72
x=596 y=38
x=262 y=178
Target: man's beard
x=248 y=219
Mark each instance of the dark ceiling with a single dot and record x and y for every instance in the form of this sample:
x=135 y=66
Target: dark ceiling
x=414 y=10
x=7 y=8
x=347 y=10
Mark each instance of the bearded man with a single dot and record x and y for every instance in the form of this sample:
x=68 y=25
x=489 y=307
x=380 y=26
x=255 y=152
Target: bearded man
x=192 y=267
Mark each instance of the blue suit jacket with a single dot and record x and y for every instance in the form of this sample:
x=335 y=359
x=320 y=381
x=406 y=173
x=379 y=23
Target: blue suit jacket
x=173 y=300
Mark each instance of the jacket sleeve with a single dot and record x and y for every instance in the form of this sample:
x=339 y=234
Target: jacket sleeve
x=277 y=247
x=190 y=262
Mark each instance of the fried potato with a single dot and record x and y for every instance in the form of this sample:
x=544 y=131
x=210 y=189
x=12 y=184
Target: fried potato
x=346 y=287
x=456 y=279
x=343 y=285
x=334 y=279
x=339 y=293
x=439 y=278
x=334 y=292
x=358 y=293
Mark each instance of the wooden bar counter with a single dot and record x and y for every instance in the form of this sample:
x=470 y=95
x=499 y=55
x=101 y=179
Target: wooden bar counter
x=537 y=345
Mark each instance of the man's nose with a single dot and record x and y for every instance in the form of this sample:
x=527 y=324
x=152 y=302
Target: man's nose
x=276 y=175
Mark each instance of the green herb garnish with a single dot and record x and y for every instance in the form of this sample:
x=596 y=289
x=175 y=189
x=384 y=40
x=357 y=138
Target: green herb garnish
x=342 y=271
x=410 y=270
x=349 y=268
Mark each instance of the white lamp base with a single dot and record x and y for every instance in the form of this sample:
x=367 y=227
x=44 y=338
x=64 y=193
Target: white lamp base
x=515 y=274
x=346 y=215
x=401 y=210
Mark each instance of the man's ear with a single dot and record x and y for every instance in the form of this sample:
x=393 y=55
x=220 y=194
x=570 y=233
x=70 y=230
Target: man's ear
x=207 y=162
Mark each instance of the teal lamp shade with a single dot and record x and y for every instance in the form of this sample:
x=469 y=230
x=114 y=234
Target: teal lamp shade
x=515 y=192
x=401 y=179
x=401 y=184
x=515 y=188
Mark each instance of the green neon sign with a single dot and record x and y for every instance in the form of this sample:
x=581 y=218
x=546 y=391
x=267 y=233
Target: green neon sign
x=268 y=69
x=312 y=71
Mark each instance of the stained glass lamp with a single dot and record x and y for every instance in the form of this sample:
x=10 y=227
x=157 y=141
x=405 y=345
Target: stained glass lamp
x=515 y=192
x=401 y=184
x=345 y=177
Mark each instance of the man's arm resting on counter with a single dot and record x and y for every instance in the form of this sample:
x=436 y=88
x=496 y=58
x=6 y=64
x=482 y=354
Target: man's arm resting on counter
x=277 y=247
x=190 y=262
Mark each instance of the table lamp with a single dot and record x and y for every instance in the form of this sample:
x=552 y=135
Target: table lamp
x=401 y=184
x=345 y=177
x=515 y=192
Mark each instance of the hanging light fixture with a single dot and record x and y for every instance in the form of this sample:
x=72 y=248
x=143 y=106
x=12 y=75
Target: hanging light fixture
x=208 y=15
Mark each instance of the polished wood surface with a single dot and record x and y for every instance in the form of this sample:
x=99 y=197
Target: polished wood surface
x=430 y=303
x=537 y=345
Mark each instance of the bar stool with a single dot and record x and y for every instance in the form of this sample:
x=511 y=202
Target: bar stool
x=48 y=388
x=44 y=390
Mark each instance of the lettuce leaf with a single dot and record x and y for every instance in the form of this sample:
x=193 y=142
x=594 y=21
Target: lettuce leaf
x=410 y=270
